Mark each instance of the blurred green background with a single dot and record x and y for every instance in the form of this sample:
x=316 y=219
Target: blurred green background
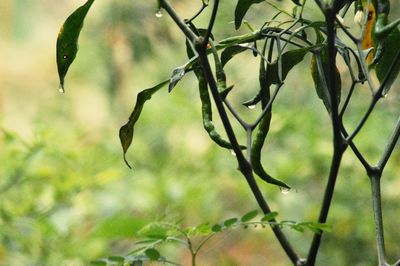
x=66 y=196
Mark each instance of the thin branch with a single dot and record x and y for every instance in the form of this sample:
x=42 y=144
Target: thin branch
x=179 y=22
x=390 y=146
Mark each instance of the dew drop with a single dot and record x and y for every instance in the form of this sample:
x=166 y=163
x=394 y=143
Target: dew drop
x=385 y=95
x=159 y=14
x=251 y=107
x=61 y=89
x=233 y=152
x=284 y=190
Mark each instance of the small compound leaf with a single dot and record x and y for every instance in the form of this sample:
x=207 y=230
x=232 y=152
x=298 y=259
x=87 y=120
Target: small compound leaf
x=216 y=228
x=201 y=230
x=67 y=40
x=241 y=9
x=230 y=222
x=177 y=74
x=127 y=130
x=230 y=52
x=249 y=216
x=116 y=258
x=99 y=262
x=269 y=217
x=152 y=253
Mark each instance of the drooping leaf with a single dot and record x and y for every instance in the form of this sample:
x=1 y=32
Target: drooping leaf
x=230 y=52
x=269 y=217
x=319 y=72
x=389 y=52
x=289 y=60
x=241 y=9
x=249 y=216
x=67 y=41
x=127 y=130
x=152 y=253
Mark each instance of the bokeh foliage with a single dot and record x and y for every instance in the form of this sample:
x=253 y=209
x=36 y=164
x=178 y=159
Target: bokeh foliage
x=67 y=197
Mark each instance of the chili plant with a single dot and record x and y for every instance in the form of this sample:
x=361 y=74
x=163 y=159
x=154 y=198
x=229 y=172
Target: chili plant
x=370 y=57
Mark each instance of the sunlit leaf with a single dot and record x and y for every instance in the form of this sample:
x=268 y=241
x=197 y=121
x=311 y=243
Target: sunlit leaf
x=127 y=130
x=249 y=216
x=241 y=9
x=152 y=253
x=201 y=230
x=67 y=41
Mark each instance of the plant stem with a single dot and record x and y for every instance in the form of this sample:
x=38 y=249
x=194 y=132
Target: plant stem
x=378 y=218
x=339 y=145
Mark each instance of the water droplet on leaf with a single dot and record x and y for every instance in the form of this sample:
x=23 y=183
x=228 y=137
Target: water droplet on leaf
x=284 y=190
x=233 y=152
x=159 y=14
x=61 y=89
x=251 y=106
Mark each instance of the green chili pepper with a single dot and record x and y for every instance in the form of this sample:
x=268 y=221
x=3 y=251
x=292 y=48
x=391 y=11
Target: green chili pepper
x=262 y=130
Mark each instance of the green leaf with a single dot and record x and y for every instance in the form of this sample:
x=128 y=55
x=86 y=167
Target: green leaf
x=116 y=258
x=389 y=52
x=269 y=216
x=319 y=72
x=249 y=216
x=289 y=60
x=67 y=41
x=241 y=9
x=152 y=253
x=230 y=222
x=201 y=230
x=127 y=130
x=230 y=52
x=100 y=262
x=216 y=228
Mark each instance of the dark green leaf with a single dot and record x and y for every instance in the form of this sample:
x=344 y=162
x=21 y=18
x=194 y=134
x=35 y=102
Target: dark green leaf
x=67 y=41
x=297 y=2
x=241 y=9
x=152 y=253
x=230 y=222
x=249 y=216
x=230 y=52
x=387 y=58
x=319 y=71
x=289 y=60
x=127 y=130
x=216 y=228
x=269 y=217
